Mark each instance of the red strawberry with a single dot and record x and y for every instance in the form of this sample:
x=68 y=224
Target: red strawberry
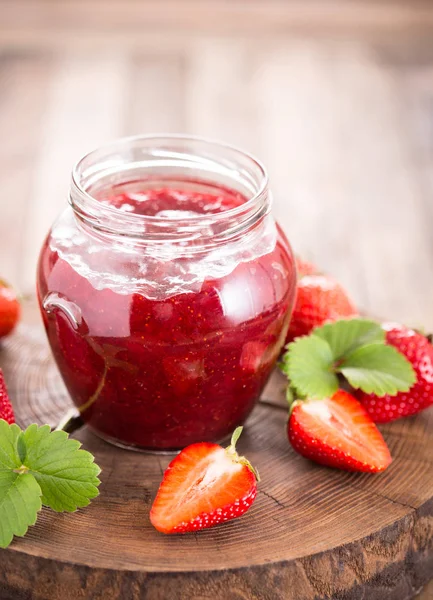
x=337 y=432
x=305 y=268
x=6 y=411
x=419 y=352
x=10 y=309
x=203 y=486
x=319 y=299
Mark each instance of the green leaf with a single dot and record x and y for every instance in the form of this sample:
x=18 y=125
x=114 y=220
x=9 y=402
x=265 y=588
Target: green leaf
x=289 y=395
x=67 y=475
x=20 y=502
x=37 y=466
x=308 y=363
x=347 y=335
x=21 y=447
x=379 y=369
x=9 y=456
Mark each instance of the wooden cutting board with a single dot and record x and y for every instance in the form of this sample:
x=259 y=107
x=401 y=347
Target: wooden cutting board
x=312 y=534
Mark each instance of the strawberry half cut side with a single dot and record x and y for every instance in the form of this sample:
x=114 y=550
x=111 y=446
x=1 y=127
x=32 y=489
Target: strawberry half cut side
x=203 y=486
x=338 y=432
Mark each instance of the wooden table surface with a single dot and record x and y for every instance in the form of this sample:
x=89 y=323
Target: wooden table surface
x=335 y=97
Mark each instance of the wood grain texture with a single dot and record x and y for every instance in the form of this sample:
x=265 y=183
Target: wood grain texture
x=313 y=533
x=426 y=593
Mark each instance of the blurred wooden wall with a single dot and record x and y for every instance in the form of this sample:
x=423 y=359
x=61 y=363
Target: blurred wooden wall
x=335 y=97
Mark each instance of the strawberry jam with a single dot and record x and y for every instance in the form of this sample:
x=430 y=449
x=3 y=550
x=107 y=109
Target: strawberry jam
x=163 y=342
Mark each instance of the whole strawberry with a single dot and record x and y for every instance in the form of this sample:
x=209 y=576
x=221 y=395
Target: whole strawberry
x=305 y=267
x=337 y=432
x=6 y=411
x=10 y=309
x=203 y=486
x=320 y=299
x=419 y=352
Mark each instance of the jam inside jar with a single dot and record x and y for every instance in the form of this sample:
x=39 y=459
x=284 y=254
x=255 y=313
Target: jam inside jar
x=166 y=290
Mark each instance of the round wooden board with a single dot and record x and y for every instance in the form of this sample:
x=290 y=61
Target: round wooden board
x=313 y=533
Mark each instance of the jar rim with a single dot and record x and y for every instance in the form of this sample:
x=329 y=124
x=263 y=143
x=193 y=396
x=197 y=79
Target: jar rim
x=90 y=201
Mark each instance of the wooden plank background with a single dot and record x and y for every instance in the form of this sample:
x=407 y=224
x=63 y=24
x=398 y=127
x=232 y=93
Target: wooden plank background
x=336 y=98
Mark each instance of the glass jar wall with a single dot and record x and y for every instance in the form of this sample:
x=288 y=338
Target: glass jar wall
x=166 y=290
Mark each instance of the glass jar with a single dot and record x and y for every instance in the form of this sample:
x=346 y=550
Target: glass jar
x=166 y=290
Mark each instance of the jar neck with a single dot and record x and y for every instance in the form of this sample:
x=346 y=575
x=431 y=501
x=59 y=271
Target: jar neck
x=170 y=161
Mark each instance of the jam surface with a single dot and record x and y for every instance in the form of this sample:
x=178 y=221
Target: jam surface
x=167 y=202
x=161 y=374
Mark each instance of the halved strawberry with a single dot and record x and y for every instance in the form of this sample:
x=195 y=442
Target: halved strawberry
x=203 y=486
x=337 y=432
x=6 y=411
x=10 y=309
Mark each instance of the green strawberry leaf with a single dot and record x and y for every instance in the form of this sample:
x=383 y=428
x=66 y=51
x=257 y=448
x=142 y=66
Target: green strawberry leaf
x=38 y=467
x=354 y=348
x=67 y=475
x=9 y=455
x=379 y=369
x=347 y=335
x=20 y=502
x=21 y=448
x=308 y=363
x=289 y=395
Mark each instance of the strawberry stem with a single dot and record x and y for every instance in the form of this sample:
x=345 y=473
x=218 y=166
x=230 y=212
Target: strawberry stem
x=21 y=470
x=293 y=398
x=231 y=451
x=290 y=397
x=235 y=436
